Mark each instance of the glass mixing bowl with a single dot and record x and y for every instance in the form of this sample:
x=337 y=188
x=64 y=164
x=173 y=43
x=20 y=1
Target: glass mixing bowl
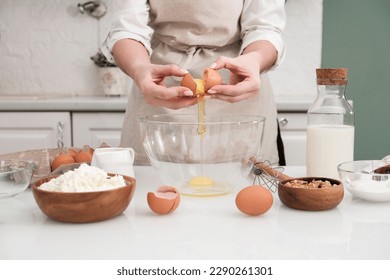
x=202 y=158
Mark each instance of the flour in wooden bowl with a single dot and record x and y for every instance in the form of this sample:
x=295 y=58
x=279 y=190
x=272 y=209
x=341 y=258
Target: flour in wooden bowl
x=84 y=179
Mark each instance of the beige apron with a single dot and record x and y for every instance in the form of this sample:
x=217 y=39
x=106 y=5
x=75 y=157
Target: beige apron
x=195 y=58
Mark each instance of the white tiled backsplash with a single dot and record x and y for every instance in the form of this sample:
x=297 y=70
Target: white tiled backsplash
x=45 y=48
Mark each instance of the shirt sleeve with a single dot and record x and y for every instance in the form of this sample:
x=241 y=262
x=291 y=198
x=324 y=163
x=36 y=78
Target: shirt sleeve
x=264 y=20
x=129 y=21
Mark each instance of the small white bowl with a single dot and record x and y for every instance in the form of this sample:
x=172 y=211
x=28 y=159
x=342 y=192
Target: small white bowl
x=363 y=182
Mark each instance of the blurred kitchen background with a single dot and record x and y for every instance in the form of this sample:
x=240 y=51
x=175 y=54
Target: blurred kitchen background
x=45 y=49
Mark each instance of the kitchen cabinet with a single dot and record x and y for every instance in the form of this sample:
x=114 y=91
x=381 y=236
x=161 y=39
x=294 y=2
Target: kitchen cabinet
x=293 y=132
x=90 y=128
x=35 y=130
x=77 y=121
x=21 y=131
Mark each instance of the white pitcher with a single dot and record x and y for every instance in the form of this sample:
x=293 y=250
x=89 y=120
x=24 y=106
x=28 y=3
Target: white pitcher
x=114 y=160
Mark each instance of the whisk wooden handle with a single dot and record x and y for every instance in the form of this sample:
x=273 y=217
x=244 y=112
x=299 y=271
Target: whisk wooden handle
x=272 y=172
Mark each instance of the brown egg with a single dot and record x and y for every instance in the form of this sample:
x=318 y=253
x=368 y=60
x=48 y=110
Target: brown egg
x=61 y=159
x=210 y=78
x=164 y=201
x=254 y=200
x=84 y=155
x=72 y=152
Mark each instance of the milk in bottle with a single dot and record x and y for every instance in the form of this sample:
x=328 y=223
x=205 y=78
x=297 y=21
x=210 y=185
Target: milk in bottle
x=330 y=130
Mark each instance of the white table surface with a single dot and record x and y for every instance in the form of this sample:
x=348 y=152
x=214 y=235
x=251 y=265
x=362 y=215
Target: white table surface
x=201 y=228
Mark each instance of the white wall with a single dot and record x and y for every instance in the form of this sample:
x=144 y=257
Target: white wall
x=296 y=76
x=45 y=48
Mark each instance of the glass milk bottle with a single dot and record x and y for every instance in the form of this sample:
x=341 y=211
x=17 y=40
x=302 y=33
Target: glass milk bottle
x=330 y=130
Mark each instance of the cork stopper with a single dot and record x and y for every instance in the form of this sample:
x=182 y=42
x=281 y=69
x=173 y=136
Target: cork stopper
x=332 y=76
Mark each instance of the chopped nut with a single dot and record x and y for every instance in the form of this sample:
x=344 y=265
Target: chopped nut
x=313 y=184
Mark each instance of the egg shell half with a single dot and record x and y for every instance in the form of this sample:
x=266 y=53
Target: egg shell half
x=164 y=201
x=211 y=78
x=254 y=200
x=189 y=82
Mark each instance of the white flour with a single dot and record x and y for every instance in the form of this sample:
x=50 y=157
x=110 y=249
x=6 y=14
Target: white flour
x=368 y=185
x=84 y=179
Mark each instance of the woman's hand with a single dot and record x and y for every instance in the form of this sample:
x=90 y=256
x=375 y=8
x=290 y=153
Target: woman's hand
x=244 y=79
x=244 y=72
x=132 y=57
x=150 y=80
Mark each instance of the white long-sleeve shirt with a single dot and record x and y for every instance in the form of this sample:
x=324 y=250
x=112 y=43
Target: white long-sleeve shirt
x=209 y=24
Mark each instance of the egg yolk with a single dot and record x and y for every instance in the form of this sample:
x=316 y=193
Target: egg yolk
x=202 y=181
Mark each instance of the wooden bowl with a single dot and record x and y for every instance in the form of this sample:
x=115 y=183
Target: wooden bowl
x=303 y=197
x=83 y=207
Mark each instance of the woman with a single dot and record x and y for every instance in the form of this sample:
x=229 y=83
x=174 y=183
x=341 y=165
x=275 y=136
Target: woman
x=156 y=42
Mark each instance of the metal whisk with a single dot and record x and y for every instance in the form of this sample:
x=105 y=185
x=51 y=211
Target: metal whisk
x=268 y=175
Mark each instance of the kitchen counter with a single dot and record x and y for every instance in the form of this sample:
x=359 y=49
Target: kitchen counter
x=201 y=228
x=63 y=103
x=291 y=103
x=111 y=103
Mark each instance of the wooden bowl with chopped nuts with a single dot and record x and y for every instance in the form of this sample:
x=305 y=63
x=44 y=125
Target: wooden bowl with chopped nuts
x=311 y=193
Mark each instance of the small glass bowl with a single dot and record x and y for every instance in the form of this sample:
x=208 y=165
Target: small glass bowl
x=362 y=181
x=15 y=177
